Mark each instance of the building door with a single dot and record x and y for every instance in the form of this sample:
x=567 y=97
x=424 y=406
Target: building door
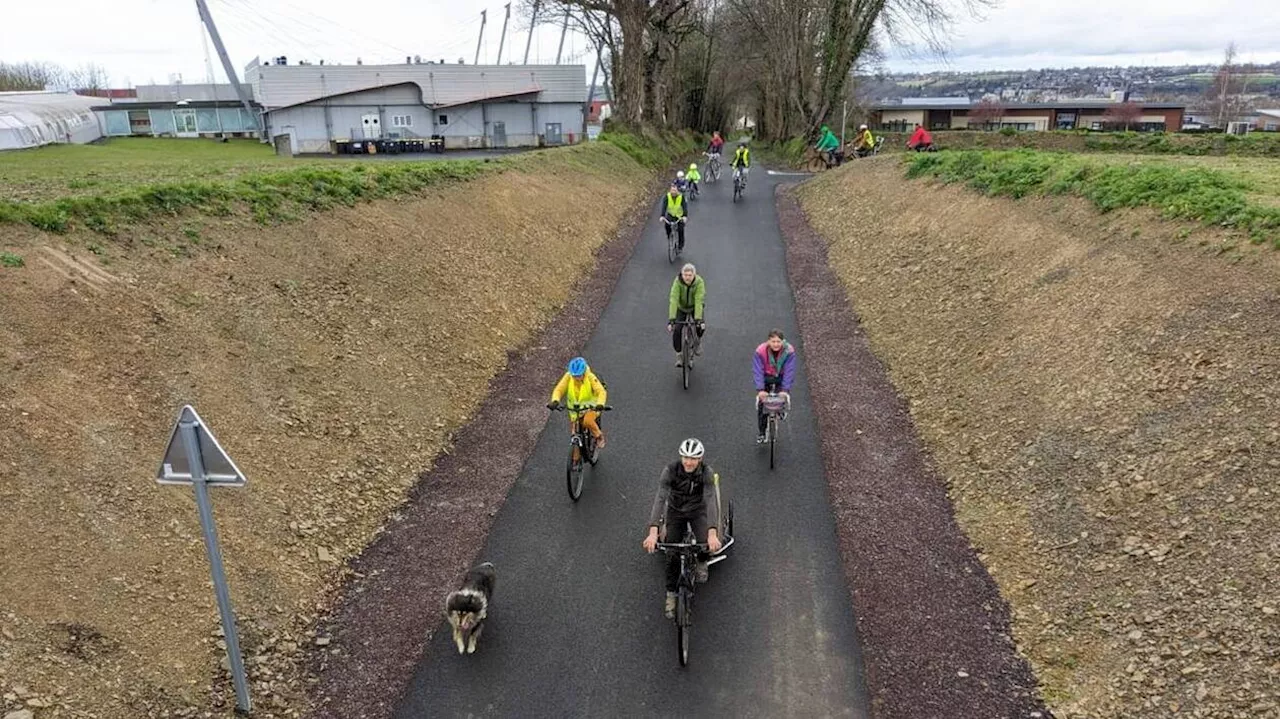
x=499 y=138
x=184 y=123
x=553 y=133
x=372 y=127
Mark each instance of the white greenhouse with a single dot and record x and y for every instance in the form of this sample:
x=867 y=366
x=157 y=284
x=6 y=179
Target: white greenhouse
x=31 y=119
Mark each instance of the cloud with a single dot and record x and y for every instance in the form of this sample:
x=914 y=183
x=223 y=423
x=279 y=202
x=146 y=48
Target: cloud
x=1019 y=32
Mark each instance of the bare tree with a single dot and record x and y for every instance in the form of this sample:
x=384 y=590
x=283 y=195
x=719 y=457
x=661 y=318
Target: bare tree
x=1123 y=115
x=29 y=76
x=986 y=113
x=1225 y=97
x=88 y=77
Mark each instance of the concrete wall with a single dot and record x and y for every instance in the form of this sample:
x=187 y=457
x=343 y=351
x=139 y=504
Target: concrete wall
x=468 y=126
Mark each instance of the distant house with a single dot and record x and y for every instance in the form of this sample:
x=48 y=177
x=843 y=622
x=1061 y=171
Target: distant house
x=1268 y=121
x=600 y=111
x=954 y=114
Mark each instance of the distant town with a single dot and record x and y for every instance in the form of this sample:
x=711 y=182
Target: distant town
x=1258 y=85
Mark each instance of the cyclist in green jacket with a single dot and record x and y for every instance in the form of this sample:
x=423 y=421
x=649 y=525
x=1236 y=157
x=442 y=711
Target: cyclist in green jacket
x=694 y=177
x=688 y=296
x=827 y=145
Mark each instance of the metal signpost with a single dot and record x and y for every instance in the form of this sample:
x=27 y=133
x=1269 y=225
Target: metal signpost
x=193 y=456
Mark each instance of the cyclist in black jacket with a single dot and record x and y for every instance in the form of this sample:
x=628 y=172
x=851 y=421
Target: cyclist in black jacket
x=687 y=494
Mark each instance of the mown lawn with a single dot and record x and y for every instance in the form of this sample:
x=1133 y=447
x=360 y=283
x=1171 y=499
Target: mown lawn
x=1235 y=193
x=56 y=171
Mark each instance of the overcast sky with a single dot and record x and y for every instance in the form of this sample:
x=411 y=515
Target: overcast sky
x=142 y=41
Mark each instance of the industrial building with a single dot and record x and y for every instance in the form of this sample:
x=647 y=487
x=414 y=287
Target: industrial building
x=953 y=114
x=313 y=108
x=178 y=110
x=31 y=119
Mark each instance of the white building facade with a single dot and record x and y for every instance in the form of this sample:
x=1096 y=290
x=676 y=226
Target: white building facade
x=469 y=106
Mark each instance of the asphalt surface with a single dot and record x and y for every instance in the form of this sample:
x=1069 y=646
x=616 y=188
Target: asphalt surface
x=576 y=625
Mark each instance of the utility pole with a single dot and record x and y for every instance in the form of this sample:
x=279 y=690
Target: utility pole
x=226 y=65
x=208 y=61
x=591 y=93
x=484 y=15
x=563 y=30
x=533 y=23
x=502 y=41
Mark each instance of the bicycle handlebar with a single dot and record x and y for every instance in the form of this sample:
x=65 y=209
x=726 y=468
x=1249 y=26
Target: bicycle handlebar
x=592 y=408
x=680 y=546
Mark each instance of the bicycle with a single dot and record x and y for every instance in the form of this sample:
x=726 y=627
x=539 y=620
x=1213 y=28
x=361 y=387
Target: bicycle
x=817 y=161
x=776 y=407
x=688 y=551
x=582 y=445
x=689 y=342
x=739 y=182
x=713 y=166
x=673 y=251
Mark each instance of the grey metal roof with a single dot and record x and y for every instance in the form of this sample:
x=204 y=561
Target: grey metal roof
x=277 y=86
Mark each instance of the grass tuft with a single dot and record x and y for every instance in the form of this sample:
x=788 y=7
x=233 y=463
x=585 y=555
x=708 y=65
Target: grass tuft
x=1208 y=196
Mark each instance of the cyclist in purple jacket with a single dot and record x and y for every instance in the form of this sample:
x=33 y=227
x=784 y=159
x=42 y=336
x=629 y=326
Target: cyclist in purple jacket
x=775 y=370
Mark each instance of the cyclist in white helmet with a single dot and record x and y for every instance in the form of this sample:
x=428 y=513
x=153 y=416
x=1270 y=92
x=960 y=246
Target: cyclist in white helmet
x=687 y=495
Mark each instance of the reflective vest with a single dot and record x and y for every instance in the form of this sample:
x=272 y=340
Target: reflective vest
x=675 y=205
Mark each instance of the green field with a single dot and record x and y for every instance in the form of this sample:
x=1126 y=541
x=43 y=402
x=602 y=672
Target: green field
x=56 y=171
x=1235 y=193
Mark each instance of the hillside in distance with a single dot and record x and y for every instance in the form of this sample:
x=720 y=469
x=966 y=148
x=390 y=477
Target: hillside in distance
x=1185 y=83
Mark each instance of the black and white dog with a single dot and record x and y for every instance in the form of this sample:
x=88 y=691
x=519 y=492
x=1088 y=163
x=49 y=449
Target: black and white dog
x=468 y=606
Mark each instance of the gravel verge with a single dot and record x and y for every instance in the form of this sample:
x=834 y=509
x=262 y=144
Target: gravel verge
x=934 y=628
x=387 y=611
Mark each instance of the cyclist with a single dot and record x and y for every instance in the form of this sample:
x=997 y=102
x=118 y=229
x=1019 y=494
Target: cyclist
x=742 y=161
x=865 y=143
x=688 y=294
x=694 y=177
x=675 y=211
x=921 y=140
x=774 y=370
x=681 y=181
x=827 y=145
x=687 y=494
x=580 y=387
x=717 y=143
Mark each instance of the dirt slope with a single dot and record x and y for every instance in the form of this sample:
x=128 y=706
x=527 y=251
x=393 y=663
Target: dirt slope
x=1104 y=402
x=331 y=357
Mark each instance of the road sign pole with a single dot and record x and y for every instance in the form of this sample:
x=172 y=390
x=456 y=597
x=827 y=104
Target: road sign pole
x=191 y=440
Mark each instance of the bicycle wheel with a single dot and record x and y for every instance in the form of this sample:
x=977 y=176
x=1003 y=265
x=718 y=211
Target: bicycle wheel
x=737 y=189
x=683 y=624
x=671 y=245
x=773 y=438
x=573 y=474
x=685 y=356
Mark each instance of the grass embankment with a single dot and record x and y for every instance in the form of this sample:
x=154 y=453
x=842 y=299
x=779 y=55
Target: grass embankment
x=129 y=181
x=1102 y=405
x=333 y=356
x=1233 y=198
x=125 y=181
x=1258 y=144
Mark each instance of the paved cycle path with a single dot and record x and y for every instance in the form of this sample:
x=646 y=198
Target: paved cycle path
x=576 y=625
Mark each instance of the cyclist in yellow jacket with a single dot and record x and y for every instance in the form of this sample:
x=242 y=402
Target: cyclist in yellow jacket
x=580 y=387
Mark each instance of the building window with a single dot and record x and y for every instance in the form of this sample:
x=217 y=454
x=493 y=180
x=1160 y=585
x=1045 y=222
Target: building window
x=1272 y=127
x=444 y=119
x=402 y=120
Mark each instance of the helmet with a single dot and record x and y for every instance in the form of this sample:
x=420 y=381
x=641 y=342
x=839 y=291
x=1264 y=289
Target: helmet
x=680 y=174
x=577 y=366
x=693 y=167
x=689 y=266
x=862 y=127
x=691 y=448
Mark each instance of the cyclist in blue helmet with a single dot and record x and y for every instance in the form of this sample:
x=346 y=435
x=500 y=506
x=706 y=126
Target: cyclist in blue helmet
x=580 y=387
